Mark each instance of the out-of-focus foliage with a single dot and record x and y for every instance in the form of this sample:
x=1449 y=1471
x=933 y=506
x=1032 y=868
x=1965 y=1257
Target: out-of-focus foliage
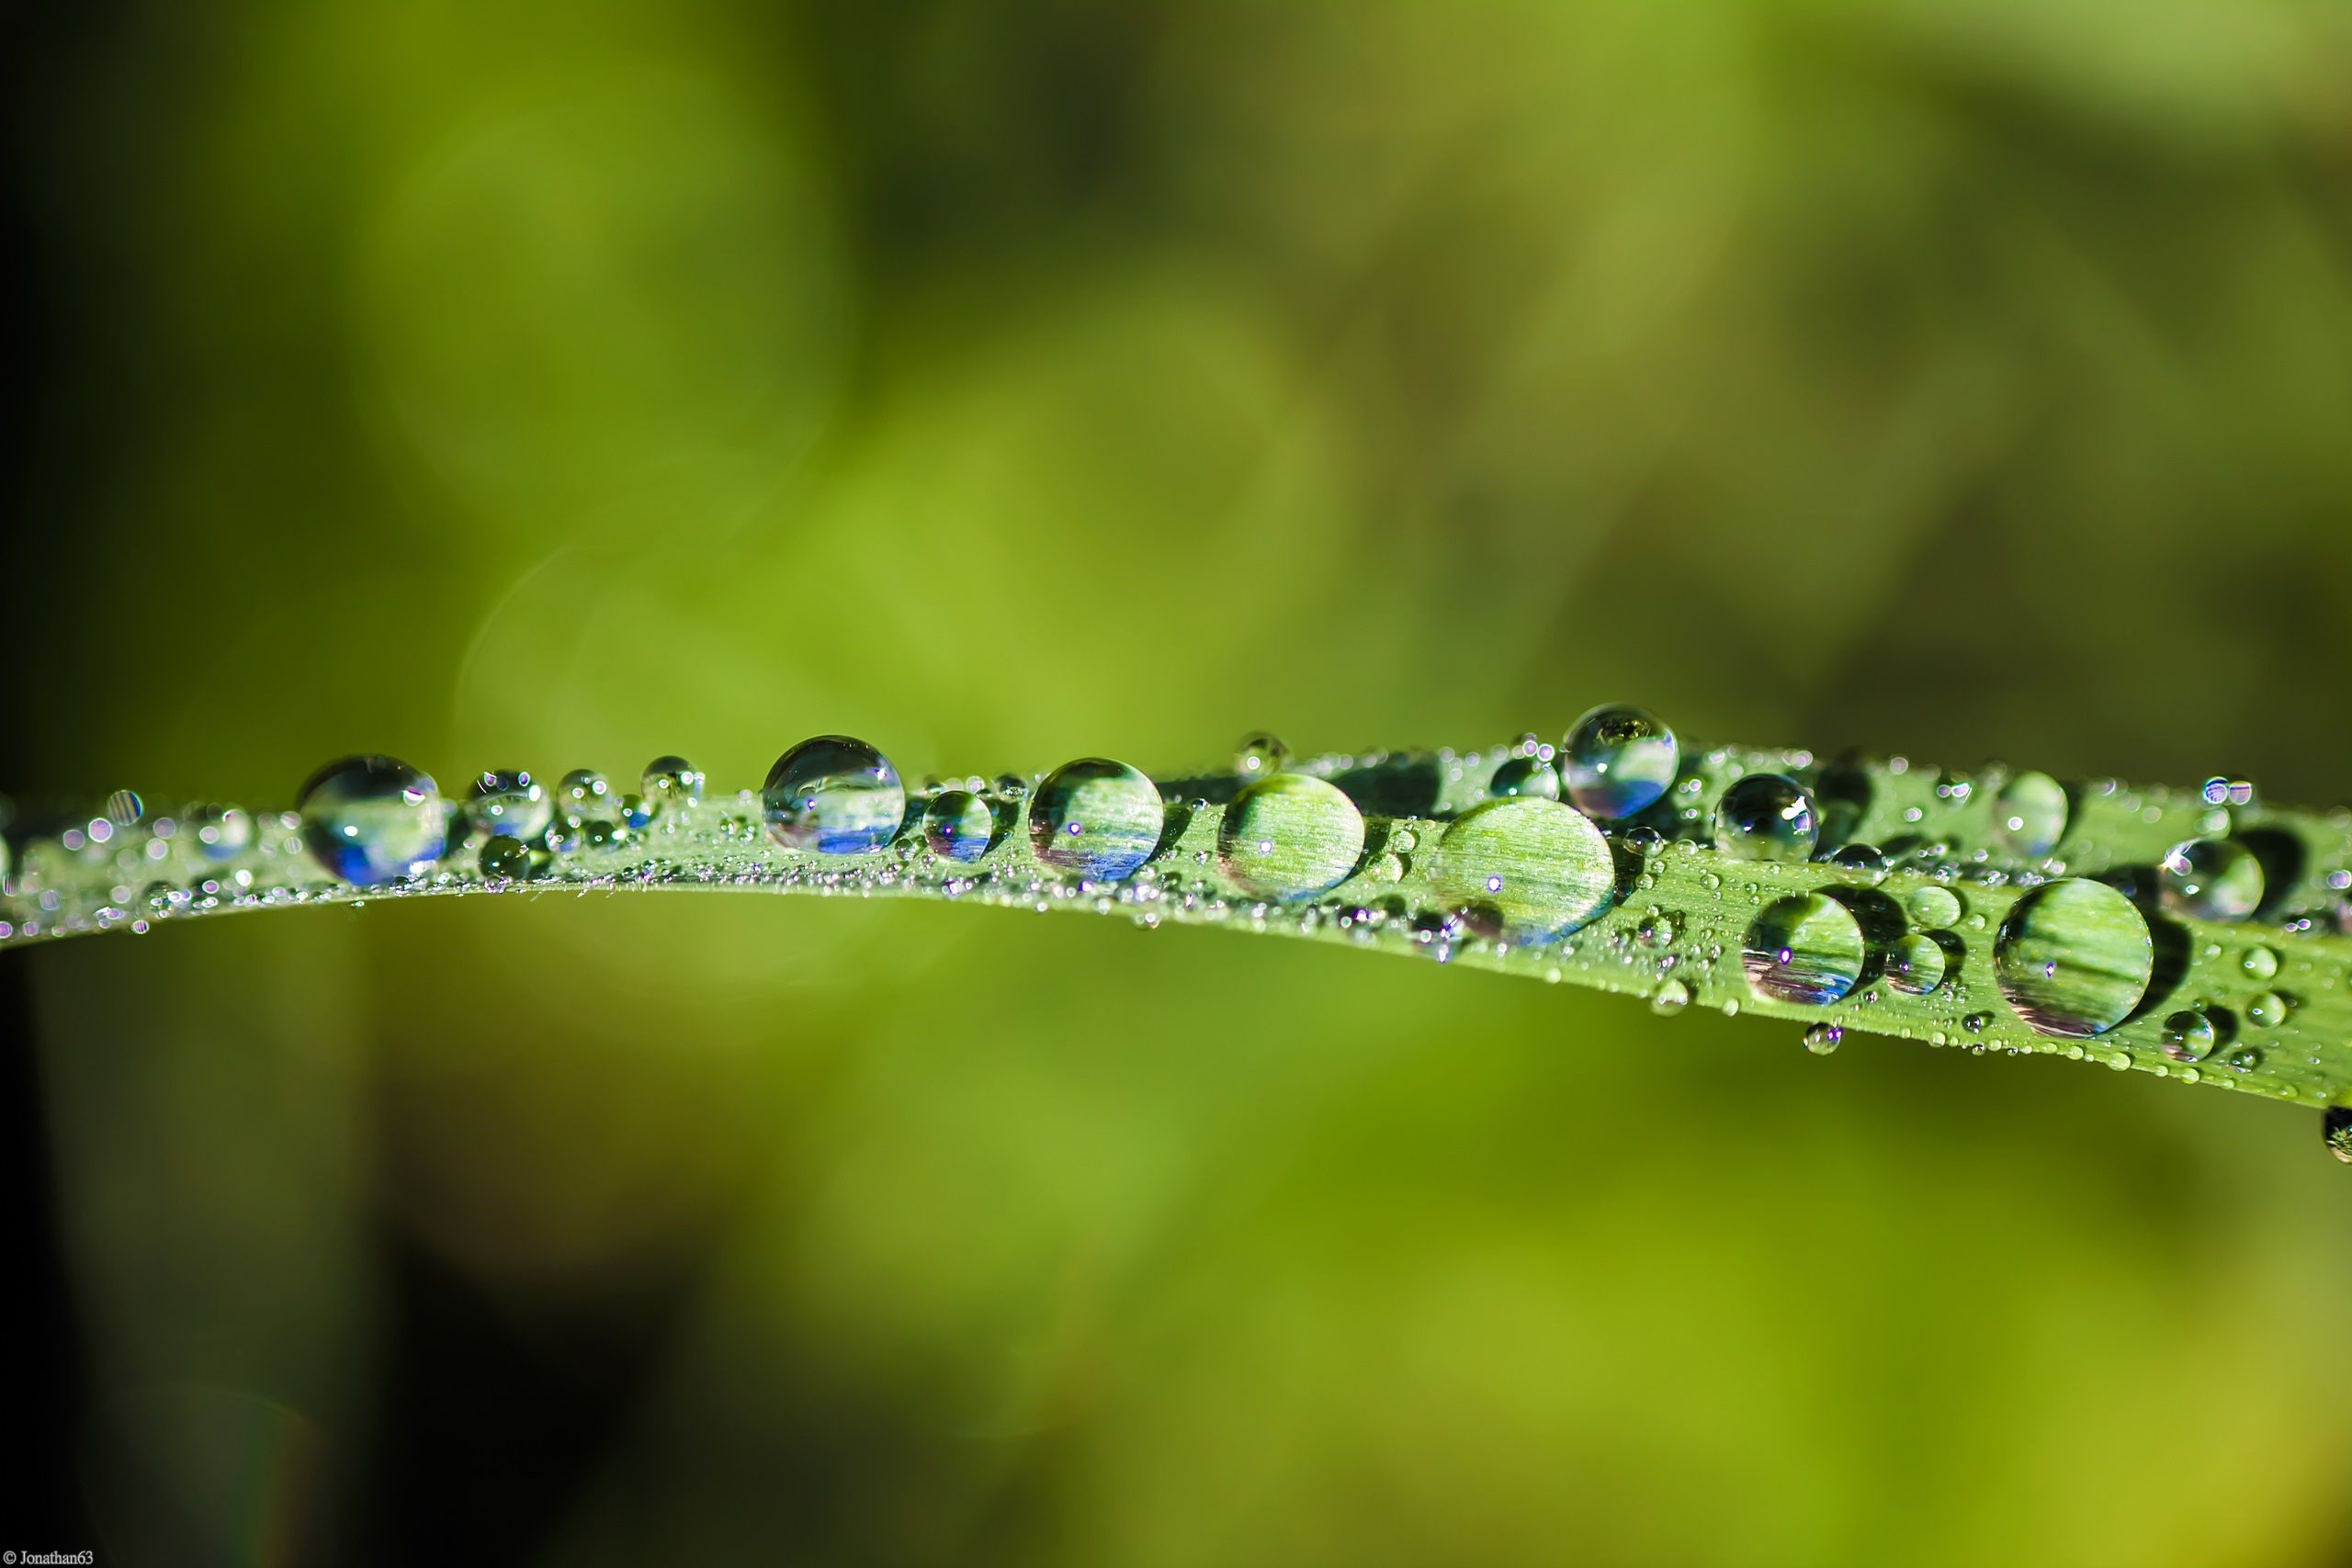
x=1001 y=382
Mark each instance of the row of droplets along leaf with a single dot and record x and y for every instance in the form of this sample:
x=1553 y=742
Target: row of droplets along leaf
x=1527 y=846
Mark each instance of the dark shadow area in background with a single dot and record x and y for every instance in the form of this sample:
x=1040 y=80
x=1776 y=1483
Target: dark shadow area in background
x=41 y=1503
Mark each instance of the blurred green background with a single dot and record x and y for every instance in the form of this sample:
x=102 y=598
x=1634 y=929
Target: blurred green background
x=556 y=385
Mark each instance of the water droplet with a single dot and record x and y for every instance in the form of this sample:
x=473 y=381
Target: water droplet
x=1617 y=760
x=1541 y=864
x=634 y=812
x=222 y=832
x=1862 y=862
x=124 y=808
x=509 y=801
x=958 y=825
x=1096 y=819
x=1766 y=817
x=2029 y=815
x=2335 y=1132
x=2189 y=1036
x=2260 y=962
x=833 y=795
x=584 y=795
x=2268 y=1009
x=371 y=820
x=1932 y=907
x=2245 y=1059
x=1916 y=965
x=670 y=780
x=1821 y=1038
x=1525 y=775
x=1260 y=754
x=2073 y=958
x=1658 y=929
x=1805 y=948
x=1669 y=999
x=505 y=858
x=2212 y=879
x=1289 y=836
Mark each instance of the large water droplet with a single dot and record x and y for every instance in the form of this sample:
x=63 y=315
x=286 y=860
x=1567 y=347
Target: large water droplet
x=2267 y=1009
x=372 y=820
x=833 y=795
x=1617 y=760
x=958 y=825
x=1766 y=817
x=1539 y=864
x=1807 y=949
x=1289 y=836
x=2212 y=879
x=2029 y=815
x=2073 y=958
x=1095 y=818
x=1822 y=1038
x=509 y=801
x=670 y=780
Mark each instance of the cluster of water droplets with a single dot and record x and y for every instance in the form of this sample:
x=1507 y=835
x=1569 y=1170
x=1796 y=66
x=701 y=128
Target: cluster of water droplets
x=1968 y=909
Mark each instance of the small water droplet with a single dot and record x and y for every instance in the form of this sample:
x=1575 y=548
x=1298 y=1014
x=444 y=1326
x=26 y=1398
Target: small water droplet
x=508 y=801
x=671 y=781
x=2212 y=879
x=1658 y=929
x=2335 y=1132
x=2029 y=815
x=2259 y=961
x=1821 y=1038
x=2245 y=1059
x=1766 y=817
x=1096 y=819
x=1525 y=775
x=370 y=821
x=2073 y=958
x=2189 y=1036
x=505 y=858
x=584 y=794
x=1916 y=965
x=1669 y=999
x=1862 y=862
x=2268 y=1009
x=1807 y=948
x=222 y=832
x=1617 y=760
x=1259 y=754
x=958 y=825
x=1289 y=836
x=124 y=808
